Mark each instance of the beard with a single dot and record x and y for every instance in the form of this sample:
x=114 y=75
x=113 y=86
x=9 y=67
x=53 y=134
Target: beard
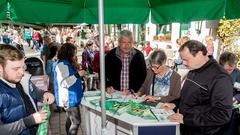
x=14 y=80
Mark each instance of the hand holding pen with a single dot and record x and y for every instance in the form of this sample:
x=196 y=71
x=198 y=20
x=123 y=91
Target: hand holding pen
x=133 y=93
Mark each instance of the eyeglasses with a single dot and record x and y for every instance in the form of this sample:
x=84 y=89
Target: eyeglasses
x=155 y=67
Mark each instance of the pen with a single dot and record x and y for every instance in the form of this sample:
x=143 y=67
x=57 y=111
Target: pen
x=132 y=92
x=154 y=114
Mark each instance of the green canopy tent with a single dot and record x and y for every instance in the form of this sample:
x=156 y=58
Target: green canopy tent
x=75 y=11
x=3 y=9
x=232 y=9
x=117 y=12
x=166 y=11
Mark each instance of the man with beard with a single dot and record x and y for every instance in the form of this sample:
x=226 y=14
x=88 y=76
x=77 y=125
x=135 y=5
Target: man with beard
x=18 y=111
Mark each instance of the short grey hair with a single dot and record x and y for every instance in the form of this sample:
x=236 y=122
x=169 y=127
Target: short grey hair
x=125 y=33
x=158 y=57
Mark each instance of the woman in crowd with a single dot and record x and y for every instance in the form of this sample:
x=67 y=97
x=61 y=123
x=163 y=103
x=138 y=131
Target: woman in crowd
x=161 y=83
x=209 y=45
x=87 y=57
x=49 y=65
x=68 y=86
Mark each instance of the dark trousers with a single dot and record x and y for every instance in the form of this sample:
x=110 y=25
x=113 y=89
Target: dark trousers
x=73 y=120
x=29 y=42
x=231 y=128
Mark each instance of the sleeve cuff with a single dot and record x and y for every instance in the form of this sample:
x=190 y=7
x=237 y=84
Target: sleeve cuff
x=159 y=98
x=29 y=121
x=237 y=97
x=77 y=75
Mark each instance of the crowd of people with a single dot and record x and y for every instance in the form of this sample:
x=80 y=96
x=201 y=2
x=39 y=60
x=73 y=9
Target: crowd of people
x=202 y=99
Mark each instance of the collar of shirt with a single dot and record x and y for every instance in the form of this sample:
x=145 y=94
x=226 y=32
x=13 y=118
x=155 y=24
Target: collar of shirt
x=12 y=85
x=165 y=79
x=132 y=53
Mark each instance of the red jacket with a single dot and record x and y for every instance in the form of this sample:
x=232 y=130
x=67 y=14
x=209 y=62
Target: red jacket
x=96 y=64
x=148 y=50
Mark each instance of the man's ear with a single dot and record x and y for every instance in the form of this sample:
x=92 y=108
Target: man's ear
x=199 y=53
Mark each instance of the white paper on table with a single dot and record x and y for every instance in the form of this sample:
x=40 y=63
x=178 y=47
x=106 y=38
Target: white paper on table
x=162 y=114
x=92 y=93
x=139 y=99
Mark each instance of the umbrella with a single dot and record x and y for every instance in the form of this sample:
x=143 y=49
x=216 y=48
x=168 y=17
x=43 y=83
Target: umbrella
x=45 y=11
x=75 y=11
x=232 y=9
x=119 y=11
x=165 y=11
x=3 y=9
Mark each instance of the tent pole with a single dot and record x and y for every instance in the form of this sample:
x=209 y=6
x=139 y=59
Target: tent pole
x=102 y=64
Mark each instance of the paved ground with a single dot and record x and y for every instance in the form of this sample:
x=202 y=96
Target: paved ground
x=57 y=124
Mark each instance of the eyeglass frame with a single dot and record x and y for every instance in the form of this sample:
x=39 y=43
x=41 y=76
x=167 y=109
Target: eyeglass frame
x=155 y=67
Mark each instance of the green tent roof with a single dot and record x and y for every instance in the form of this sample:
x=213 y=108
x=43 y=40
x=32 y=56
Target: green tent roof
x=117 y=11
